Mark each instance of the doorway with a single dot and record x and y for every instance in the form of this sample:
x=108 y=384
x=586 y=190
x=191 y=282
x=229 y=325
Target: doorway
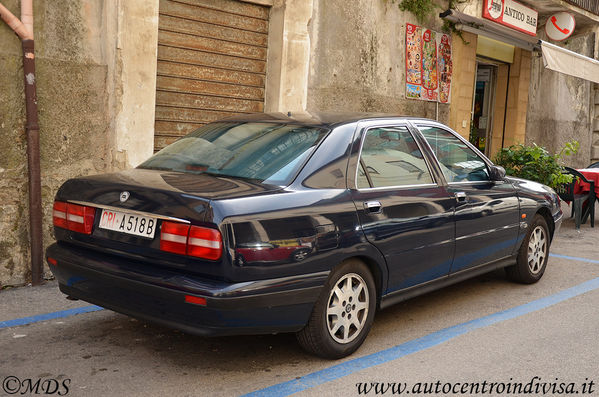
x=481 y=126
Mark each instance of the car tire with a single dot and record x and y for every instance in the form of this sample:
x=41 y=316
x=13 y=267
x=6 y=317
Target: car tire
x=341 y=317
x=533 y=254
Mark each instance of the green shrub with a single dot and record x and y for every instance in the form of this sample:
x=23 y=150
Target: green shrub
x=536 y=163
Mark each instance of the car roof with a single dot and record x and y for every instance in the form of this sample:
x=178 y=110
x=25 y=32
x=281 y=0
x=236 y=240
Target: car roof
x=318 y=119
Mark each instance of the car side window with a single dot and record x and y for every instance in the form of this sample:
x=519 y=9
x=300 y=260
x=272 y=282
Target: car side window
x=459 y=163
x=391 y=157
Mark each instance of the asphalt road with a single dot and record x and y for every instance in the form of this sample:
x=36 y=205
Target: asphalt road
x=482 y=331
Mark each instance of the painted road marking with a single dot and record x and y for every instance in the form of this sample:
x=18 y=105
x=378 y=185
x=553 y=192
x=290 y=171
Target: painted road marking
x=436 y=338
x=48 y=316
x=574 y=258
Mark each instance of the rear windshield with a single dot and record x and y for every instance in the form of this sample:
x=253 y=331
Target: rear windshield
x=266 y=152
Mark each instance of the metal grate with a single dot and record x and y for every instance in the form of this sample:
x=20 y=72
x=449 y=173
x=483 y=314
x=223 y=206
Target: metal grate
x=589 y=5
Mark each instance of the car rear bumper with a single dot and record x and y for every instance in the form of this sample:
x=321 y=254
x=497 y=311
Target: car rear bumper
x=158 y=295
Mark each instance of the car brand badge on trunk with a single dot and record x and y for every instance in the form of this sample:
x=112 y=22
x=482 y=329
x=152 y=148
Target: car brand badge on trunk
x=124 y=196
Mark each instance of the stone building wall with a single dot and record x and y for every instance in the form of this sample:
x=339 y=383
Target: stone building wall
x=71 y=73
x=561 y=107
x=358 y=59
x=88 y=100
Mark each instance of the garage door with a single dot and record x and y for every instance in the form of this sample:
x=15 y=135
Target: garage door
x=211 y=64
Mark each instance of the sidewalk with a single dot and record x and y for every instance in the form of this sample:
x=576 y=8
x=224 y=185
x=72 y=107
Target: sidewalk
x=582 y=243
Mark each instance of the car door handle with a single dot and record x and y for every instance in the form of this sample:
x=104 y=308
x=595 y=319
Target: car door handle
x=373 y=206
x=461 y=197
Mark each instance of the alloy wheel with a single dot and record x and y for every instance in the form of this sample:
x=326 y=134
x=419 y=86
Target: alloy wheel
x=347 y=308
x=537 y=250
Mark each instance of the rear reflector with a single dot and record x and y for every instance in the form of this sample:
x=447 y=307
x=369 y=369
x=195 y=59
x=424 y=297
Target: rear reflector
x=52 y=261
x=196 y=300
x=77 y=218
x=201 y=242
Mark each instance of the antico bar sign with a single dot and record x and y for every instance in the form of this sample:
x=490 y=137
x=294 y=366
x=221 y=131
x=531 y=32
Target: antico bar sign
x=512 y=14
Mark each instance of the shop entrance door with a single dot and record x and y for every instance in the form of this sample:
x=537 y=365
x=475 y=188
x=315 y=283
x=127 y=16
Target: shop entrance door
x=483 y=105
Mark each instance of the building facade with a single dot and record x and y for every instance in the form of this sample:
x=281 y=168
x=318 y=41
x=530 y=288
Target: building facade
x=118 y=80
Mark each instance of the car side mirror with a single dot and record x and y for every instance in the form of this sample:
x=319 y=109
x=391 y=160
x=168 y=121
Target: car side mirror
x=497 y=173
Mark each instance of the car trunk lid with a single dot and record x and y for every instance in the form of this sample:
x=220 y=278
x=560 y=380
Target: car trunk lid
x=150 y=197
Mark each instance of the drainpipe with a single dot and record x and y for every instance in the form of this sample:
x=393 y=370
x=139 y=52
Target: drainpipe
x=24 y=29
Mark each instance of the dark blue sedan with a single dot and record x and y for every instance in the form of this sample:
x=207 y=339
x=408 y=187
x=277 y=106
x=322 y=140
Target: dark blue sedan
x=268 y=223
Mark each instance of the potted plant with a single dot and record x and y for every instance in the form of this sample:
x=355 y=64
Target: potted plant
x=535 y=163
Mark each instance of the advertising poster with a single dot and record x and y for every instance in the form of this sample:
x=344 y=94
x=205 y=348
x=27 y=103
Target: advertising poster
x=413 y=57
x=428 y=64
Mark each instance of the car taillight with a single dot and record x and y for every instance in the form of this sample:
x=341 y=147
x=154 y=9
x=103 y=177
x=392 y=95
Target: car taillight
x=201 y=242
x=80 y=218
x=204 y=242
x=59 y=214
x=77 y=218
x=173 y=237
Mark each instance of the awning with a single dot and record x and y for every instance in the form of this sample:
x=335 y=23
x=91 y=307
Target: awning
x=554 y=57
x=569 y=62
x=490 y=29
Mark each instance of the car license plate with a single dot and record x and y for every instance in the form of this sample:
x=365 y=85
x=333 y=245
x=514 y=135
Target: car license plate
x=137 y=225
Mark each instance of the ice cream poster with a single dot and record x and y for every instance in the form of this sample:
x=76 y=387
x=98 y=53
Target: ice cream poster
x=428 y=64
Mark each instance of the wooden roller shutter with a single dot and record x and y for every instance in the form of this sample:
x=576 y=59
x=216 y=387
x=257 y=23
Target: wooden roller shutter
x=211 y=64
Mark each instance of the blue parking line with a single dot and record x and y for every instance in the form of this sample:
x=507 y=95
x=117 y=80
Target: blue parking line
x=436 y=338
x=574 y=258
x=48 y=316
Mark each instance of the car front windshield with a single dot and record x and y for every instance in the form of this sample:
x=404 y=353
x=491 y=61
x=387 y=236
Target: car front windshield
x=266 y=152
